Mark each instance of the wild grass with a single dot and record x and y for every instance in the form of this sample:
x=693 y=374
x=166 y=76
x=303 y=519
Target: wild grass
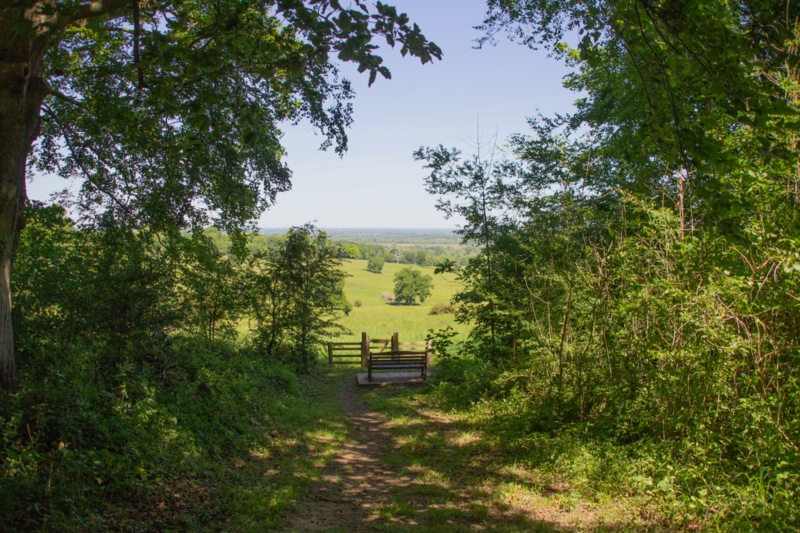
x=469 y=477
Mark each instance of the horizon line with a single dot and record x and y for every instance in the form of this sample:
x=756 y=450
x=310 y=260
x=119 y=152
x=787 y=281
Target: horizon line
x=361 y=228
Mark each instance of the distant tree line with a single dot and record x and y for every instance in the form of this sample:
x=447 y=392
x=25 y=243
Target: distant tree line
x=393 y=238
x=420 y=255
x=256 y=243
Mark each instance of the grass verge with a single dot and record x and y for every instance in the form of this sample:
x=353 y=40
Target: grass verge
x=469 y=478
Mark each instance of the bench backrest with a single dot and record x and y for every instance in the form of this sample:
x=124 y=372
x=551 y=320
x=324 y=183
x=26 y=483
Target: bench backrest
x=395 y=353
x=411 y=358
x=397 y=359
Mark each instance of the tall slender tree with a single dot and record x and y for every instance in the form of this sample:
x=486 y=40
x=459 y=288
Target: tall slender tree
x=475 y=189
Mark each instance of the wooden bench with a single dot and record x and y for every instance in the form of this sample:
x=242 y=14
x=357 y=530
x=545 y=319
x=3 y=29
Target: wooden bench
x=398 y=360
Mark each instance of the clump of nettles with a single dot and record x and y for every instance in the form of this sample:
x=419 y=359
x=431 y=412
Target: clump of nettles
x=357 y=302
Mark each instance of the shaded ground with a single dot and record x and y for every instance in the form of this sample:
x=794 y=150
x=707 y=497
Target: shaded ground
x=411 y=467
x=351 y=485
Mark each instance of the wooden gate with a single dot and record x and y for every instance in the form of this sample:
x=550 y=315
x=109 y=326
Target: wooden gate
x=356 y=353
x=342 y=353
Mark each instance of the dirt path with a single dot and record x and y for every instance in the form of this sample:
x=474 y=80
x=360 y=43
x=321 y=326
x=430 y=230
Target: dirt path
x=353 y=484
x=424 y=470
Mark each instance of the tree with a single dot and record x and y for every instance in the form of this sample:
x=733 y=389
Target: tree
x=212 y=287
x=345 y=305
x=475 y=189
x=168 y=111
x=292 y=295
x=375 y=264
x=410 y=284
x=650 y=265
x=351 y=251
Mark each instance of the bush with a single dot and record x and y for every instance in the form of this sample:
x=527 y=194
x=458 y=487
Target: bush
x=291 y=294
x=357 y=302
x=129 y=382
x=443 y=309
x=386 y=297
x=375 y=264
x=76 y=439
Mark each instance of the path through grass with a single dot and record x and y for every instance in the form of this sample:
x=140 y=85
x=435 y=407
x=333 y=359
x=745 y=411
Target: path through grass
x=410 y=466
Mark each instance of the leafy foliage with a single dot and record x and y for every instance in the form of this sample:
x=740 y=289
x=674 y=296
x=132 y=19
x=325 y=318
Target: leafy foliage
x=131 y=376
x=188 y=108
x=442 y=309
x=375 y=264
x=637 y=279
x=291 y=295
x=410 y=284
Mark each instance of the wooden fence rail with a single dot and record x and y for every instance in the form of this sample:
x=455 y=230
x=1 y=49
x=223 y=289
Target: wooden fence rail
x=356 y=353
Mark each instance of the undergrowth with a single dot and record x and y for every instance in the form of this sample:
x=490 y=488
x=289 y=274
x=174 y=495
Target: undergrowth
x=228 y=441
x=135 y=410
x=681 y=482
x=468 y=475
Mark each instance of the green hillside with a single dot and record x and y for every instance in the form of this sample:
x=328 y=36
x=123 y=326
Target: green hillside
x=380 y=318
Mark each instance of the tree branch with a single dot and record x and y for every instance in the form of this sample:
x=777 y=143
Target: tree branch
x=62 y=96
x=91 y=10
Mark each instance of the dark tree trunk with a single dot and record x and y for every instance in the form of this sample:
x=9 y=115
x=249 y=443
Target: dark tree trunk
x=22 y=91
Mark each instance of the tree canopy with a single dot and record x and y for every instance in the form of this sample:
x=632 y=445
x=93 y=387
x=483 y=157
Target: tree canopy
x=375 y=264
x=169 y=113
x=171 y=110
x=410 y=284
x=638 y=279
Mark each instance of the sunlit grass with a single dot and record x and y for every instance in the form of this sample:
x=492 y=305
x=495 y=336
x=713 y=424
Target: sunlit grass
x=467 y=480
x=395 y=509
x=312 y=429
x=380 y=318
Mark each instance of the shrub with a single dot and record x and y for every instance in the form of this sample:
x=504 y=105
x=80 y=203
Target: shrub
x=291 y=292
x=386 y=297
x=117 y=440
x=357 y=302
x=443 y=309
x=130 y=384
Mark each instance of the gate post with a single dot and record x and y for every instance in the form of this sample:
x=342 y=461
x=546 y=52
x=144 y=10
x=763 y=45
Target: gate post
x=429 y=352
x=395 y=342
x=364 y=349
x=330 y=353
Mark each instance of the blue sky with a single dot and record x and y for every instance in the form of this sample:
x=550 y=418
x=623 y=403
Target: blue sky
x=377 y=184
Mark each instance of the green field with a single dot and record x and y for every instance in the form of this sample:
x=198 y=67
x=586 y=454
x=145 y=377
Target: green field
x=379 y=318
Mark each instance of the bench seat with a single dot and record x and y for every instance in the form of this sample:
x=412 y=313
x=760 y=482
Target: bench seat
x=397 y=361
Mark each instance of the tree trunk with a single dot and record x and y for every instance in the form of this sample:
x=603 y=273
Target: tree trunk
x=22 y=91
